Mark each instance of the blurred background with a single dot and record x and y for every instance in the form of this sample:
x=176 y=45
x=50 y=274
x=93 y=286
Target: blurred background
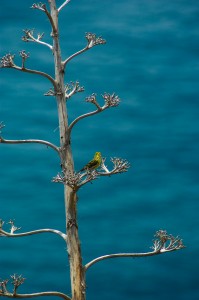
x=151 y=60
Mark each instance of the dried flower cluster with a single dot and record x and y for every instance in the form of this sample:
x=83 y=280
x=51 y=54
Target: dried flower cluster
x=1 y=126
x=91 y=98
x=93 y=40
x=29 y=36
x=7 y=61
x=76 y=180
x=166 y=242
x=16 y=281
x=72 y=88
x=111 y=100
x=13 y=228
x=39 y=6
x=120 y=165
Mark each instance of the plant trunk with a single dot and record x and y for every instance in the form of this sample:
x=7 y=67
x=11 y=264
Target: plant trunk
x=70 y=196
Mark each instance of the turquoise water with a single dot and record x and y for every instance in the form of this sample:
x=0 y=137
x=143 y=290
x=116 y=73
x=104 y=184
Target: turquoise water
x=151 y=61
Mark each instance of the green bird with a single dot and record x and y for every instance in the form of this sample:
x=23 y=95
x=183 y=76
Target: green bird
x=94 y=163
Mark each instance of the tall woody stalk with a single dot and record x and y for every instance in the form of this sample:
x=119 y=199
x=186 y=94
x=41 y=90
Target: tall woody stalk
x=70 y=196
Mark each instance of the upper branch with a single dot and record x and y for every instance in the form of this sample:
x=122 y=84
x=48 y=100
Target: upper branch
x=110 y=101
x=7 y=61
x=92 y=40
x=48 y=144
x=42 y=7
x=163 y=243
x=29 y=37
x=73 y=55
x=62 y=6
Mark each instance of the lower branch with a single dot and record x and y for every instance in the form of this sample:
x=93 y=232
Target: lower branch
x=36 y=72
x=164 y=242
x=117 y=255
x=48 y=144
x=7 y=234
x=57 y=294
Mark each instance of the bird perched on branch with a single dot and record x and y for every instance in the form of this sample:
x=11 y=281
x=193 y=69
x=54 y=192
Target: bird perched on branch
x=94 y=163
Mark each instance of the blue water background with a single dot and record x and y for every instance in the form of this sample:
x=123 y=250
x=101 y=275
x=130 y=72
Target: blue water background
x=151 y=60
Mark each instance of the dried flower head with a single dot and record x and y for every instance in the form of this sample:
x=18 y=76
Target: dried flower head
x=91 y=98
x=39 y=6
x=3 y=285
x=7 y=61
x=111 y=100
x=73 y=88
x=166 y=242
x=17 y=280
x=120 y=165
x=28 y=35
x=93 y=40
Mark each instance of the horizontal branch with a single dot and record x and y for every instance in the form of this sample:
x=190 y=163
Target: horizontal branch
x=41 y=294
x=35 y=72
x=163 y=243
x=48 y=144
x=7 y=234
x=118 y=255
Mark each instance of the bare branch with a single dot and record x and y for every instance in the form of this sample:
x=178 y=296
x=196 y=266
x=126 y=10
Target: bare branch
x=48 y=144
x=92 y=40
x=117 y=255
x=7 y=234
x=36 y=72
x=74 y=55
x=29 y=37
x=110 y=101
x=16 y=281
x=7 y=61
x=42 y=7
x=62 y=6
x=82 y=117
x=41 y=294
x=160 y=247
